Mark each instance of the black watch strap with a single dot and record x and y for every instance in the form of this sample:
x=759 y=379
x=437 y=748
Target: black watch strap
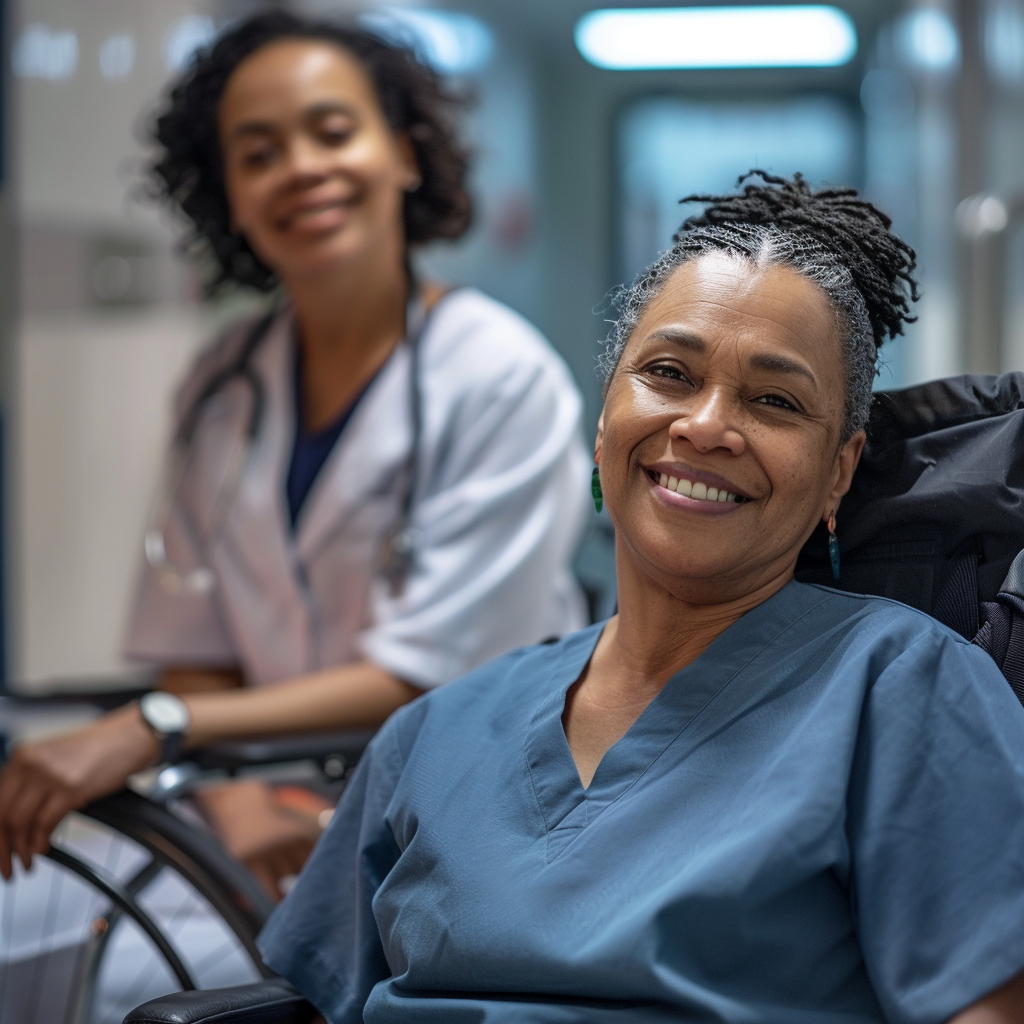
x=173 y=744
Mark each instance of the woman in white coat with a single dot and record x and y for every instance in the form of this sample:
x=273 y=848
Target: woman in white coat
x=415 y=485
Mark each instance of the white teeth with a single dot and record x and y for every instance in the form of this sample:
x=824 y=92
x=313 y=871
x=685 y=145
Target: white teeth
x=695 y=490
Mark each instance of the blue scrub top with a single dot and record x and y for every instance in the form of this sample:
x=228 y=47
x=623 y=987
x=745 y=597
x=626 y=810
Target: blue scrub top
x=821 y=819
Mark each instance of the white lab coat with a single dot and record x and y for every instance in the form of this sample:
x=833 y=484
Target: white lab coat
x=500 y=506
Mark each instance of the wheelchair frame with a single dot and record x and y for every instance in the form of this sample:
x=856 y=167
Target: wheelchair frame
x=193 y=854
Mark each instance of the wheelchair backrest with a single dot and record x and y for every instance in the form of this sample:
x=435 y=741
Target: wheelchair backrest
x=935 y=515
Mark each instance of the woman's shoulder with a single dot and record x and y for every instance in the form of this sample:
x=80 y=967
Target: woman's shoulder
x=881 y=639
x=881 y=615
x=465 y=310
x=482 y=336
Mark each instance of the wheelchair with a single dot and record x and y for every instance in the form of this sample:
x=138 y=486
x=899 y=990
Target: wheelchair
x=137 y=897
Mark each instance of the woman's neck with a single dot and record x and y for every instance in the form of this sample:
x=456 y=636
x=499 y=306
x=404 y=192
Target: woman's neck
x=659 y=630
x=348 y=324
x=655 y=634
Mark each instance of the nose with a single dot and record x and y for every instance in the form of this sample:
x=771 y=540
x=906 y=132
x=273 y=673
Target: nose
x=709 y=423
x=306 y=161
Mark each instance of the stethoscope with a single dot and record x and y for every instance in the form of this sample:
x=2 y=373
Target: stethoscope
x=399 y=548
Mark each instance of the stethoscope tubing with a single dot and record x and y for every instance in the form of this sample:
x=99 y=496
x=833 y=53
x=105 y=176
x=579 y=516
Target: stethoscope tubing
x=399 y=548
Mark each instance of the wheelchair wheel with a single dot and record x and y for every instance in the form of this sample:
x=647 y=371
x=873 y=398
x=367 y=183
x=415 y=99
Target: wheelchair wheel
x=132 y=902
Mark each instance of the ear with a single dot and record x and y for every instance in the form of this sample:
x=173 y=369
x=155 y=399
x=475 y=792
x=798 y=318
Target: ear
x=599 y=442
x=407 y=157
x=842 y=473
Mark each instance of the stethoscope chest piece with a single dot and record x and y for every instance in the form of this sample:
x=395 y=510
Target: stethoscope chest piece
x=200 y=580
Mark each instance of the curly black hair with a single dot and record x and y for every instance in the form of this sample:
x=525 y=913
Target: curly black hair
x=833 y=237
x=188 y=171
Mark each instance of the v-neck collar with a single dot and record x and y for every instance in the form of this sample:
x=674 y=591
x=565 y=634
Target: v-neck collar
x=668 y=721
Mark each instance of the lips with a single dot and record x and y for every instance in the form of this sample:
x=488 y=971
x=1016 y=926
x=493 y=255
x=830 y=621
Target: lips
x=316 y=216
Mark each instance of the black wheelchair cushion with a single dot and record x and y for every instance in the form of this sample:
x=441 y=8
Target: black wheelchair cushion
x=264 y=1002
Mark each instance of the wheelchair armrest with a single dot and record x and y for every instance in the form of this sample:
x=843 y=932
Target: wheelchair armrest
x=348 y=746
x=92 y=693
x=273 y=1001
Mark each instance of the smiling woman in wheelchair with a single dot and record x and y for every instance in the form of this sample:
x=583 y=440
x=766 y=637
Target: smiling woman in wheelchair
x=742 y=798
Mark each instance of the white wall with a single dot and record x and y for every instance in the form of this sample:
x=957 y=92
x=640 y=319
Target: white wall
x=89 y=388
x=76 y=151
x=92 y=422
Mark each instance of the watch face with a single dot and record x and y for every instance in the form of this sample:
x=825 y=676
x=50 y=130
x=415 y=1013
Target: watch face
x=165 y=712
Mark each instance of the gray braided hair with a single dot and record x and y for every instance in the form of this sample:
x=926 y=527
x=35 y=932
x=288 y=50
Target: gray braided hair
x=841 y=243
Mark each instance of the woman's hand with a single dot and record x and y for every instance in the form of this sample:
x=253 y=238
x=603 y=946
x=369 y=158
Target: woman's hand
x=46 y=779
x=269 y=837
x=1004 y=1005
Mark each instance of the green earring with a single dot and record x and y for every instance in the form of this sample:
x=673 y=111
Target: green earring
x=595 y=489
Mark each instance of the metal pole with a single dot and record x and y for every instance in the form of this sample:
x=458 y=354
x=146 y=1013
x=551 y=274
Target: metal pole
x=985 y=222
x=972 y=100
x=981 y=219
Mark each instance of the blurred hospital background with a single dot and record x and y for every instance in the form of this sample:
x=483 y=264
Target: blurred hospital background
x=589 y=125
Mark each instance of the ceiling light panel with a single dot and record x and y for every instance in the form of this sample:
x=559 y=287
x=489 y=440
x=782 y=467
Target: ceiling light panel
x=716 y=37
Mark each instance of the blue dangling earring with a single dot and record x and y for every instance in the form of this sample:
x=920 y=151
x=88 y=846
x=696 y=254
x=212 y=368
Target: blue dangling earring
x=595 y=489
x=833 y=545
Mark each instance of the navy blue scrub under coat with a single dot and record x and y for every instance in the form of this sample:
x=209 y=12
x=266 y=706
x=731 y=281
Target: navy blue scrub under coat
x=818 y=821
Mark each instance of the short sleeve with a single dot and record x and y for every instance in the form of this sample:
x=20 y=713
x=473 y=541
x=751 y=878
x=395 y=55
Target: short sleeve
x=506 y=504
x=323 y=938
x=936 y=827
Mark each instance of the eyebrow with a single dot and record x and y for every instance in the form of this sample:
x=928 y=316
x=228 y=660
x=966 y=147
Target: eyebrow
x=684 y=339
x=780 y=364
x=316 y=111
x=770 y=362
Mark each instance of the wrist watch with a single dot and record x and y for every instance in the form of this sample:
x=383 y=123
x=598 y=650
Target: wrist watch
x=167 y=715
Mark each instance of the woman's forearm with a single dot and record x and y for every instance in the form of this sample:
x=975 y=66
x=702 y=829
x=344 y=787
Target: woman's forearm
x=182 y=680
x=359 y=696
x=1005 y=1005
x=45 y=779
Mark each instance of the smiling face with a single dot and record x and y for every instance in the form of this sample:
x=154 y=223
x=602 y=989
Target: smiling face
x=719 y=442
x=314 y=175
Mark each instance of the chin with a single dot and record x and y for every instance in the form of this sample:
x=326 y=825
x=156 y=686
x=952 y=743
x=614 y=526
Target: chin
x=677 y=556
x=689 y=573
x=319 y=258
